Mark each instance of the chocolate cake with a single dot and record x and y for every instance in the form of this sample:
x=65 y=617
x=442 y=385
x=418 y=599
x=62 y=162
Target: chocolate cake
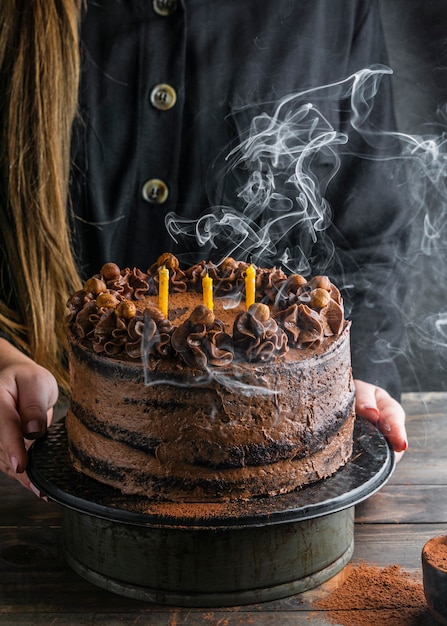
x=178 y=400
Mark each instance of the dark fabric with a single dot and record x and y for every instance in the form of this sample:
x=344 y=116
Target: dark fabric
x=231 y=63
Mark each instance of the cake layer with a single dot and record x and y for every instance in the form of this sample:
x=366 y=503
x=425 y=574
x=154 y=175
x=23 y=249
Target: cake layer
x=139 y=473
x=263 y=425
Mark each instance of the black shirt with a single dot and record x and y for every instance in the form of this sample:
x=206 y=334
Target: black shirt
x=170 y=90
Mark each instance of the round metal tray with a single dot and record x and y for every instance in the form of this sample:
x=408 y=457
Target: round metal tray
x=210 y=554
x=371 y=465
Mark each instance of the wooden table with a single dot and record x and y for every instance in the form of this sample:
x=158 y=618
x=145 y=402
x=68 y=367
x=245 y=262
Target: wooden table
x=37 y=586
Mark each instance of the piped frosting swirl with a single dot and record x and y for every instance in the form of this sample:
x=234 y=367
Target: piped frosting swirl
x=201 y=341
x=116 y=314
x=257 y=336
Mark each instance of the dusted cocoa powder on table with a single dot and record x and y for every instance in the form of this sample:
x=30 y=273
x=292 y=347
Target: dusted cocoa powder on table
x=374 y=596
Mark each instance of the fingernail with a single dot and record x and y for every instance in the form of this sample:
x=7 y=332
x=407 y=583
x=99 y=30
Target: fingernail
x=14 y=464
x=371 y=407
x=401 y=449
x=386 y=427
x=33 y=429
x=35 y=491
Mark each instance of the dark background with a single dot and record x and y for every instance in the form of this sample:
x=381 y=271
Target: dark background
x=416 y=33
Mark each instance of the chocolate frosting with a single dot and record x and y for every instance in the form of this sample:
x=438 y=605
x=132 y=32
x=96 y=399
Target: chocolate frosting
x=177 y=278
x=197 y=272
x=258 y=339
x=301 y=314
x=87 y=319
x=155 y=332
x=303 y=326
x=110 y=334
x=201 y=341
x=75 y=303
x=228 y=276
x=269 y=282
x=231 y=276
x=306 y=327
x=130 y=284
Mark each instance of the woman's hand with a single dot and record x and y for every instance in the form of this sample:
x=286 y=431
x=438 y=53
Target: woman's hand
x=376 y=405
x=28 y=393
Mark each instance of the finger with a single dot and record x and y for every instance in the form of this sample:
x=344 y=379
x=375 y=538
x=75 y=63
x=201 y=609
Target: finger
x=24 y=411
x=36 y=397
x=398 y=456
x=22 y=479
x=392 y=421
x=14 y=450
x=376 y=405
x=366 y=402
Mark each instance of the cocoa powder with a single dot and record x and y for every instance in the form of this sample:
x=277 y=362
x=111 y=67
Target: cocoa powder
x=435 y=552
x=374 y=596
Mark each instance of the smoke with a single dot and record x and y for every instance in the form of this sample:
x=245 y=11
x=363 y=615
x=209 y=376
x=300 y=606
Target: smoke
x=271 y=186
x=424 y=352
x=209 y=378
x=270 y=201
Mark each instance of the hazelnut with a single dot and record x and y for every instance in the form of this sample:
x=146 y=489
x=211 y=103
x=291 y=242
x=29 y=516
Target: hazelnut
x=110 y=271
x=295 y=281
x=228 y=264
x=319 y=298
x=154 y=313
x=321 y=282
x=168 y=260
x=126 y=309
x=202 y=315
x=106 y=301
x=95 y=286
x=260 y=311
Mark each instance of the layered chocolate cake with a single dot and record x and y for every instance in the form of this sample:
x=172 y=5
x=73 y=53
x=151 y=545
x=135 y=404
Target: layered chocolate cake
x=211 y=382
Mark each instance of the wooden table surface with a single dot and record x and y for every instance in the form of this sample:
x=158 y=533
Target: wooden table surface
x=38 y=587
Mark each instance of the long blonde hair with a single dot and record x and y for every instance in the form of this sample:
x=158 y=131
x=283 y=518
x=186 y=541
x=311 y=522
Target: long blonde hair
x=39 y=76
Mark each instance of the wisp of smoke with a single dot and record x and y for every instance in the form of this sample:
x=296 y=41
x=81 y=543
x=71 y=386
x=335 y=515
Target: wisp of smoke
x=272 y=185
x=286 y=160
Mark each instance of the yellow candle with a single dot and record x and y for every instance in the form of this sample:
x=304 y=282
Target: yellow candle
x=207 y=285
x=163 y=290
x=250 y=286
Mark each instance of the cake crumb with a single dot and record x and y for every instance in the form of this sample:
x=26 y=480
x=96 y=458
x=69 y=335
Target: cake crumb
x=373 y=596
